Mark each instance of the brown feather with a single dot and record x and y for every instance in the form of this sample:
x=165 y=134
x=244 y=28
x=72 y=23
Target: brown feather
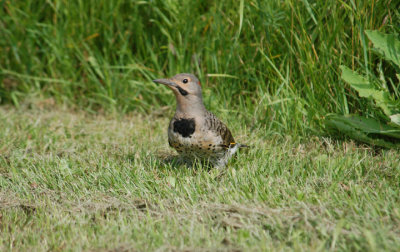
x=215 y=125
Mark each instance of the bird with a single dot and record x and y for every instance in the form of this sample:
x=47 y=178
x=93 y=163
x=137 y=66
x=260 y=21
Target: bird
x=194 y=132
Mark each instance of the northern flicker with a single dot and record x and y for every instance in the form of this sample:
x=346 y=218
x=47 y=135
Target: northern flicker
x=194 y=132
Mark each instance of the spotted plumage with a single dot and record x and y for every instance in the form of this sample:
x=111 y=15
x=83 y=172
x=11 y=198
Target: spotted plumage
x=194 y=132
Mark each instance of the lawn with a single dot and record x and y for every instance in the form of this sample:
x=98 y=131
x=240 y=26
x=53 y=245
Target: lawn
x=74 y=181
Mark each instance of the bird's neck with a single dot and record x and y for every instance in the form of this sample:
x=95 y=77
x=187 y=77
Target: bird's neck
x=189 y=107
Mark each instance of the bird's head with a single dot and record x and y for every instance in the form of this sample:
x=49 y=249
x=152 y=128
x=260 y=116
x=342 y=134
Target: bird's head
x=184 y=85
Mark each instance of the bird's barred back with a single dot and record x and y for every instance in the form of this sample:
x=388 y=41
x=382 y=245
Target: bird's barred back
x=220 y=129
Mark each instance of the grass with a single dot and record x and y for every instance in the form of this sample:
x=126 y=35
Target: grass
x=75 y=181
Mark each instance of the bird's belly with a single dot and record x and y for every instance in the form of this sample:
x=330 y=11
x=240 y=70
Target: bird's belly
x=198 y=145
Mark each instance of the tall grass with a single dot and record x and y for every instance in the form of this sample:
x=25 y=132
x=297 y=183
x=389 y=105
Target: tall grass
x=273 y=64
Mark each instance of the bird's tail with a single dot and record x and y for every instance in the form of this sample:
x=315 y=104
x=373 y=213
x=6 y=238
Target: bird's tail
x=235 y=145
x=239 y=145
x=243 y=145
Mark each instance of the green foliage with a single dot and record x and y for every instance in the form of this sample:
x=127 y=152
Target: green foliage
x=387 y=44
x=373 y=130
x=284 y=55
x=367 y=89
x=367 y=130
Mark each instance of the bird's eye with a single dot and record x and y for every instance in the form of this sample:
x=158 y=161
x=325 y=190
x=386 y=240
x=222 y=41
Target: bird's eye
x=185 y=81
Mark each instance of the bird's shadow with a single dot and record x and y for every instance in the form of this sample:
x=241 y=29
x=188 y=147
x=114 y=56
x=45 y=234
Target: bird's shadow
x=177 y=162
x=168 y=160
x=171 y=161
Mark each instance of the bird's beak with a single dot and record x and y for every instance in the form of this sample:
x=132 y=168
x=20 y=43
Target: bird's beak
x=165 y=82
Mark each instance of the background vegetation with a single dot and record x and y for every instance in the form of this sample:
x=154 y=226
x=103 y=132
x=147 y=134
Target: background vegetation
x=280 y=58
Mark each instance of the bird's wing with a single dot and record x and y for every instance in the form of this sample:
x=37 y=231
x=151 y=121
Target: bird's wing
x=220 y=129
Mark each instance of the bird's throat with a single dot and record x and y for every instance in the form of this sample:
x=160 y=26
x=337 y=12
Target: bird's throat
x=188 y=104
x=182 y=91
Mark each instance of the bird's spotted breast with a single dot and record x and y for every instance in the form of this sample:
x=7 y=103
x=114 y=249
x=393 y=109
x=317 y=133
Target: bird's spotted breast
x=185 y=127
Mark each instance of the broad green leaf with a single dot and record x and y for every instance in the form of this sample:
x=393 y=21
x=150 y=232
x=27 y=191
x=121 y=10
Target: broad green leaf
x=366 y=130
x=387 y=44
x=366 y=89
x=372 y=126
x=395 y=119
x=353 y=133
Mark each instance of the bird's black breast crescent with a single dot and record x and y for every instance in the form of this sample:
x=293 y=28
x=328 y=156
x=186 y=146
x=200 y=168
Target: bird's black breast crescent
x=185 y=127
